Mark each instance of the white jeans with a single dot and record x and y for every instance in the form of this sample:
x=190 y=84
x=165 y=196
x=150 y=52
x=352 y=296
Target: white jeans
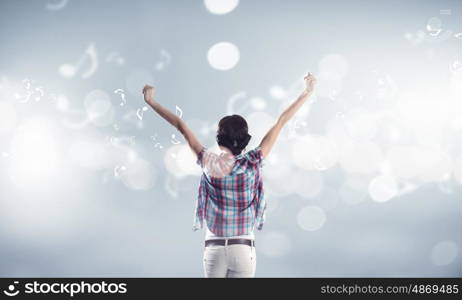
x=230 y=261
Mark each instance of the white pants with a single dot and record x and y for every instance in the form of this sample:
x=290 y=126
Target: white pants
x=230 y=261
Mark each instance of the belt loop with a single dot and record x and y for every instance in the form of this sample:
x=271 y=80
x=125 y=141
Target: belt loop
x=226 y=242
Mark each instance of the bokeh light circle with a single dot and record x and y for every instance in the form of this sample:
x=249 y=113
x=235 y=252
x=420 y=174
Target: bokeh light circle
x=383 y=188
x=220 y=7
x=311 y=218
x=333 y=67
x=314 y=152
x=363 y=158
x=98 y=107
x=223 y=56
x=444 y=253
x=138 y=175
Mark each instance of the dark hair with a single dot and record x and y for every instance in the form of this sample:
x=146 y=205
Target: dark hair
x=233 y=133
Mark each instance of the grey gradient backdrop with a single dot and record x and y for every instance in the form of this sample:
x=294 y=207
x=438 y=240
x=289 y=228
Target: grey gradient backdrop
x=81 y=227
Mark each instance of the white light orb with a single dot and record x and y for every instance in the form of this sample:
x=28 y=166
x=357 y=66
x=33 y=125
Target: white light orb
x=62 y=103
x=35 y=154
x=186 y=161
x=314 y=152
x=402 y=162
x=277 y=165
x=333 y=67
x=277 y=92
x=274 y=244
x=98 y=107
x=257 y=103
x=223 y=56
x=311 y=218
x=274 y=187
x=364 y=158
x=138 y=175
x=383 y=188
x=444 y=253
x=360 y=124
x=220 y=7
x=67 y=70
x=327 y=87
x=7 y=118
x=434 y=165
x=336 y=132
x=174 y=159
x=309 y=184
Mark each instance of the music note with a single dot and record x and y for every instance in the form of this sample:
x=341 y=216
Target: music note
x=122 y=95
x=165 y=59
x=174 y=140
x=40 y=91
x=69 y=70
x=434 y=26
x=140 y=112
x=27 y=83
x=455 y=66
x=156 y=143
x=178 y=112
x=118 y=169
x=57 y=5
x=115 y=57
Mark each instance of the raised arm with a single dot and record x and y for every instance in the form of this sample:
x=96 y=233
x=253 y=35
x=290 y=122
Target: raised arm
x=272 y=135
x=173 y=119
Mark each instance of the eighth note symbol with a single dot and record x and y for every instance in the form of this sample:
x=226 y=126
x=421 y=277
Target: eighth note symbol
x=122 y=95
x=118 y=169
x=156 y=143
x=140 y=112
x=165 y=59
x=174 y=140
x=40 y=91
x=178 y=112
x=69 y=70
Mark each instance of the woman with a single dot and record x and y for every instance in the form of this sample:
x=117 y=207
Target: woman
x=231 y=189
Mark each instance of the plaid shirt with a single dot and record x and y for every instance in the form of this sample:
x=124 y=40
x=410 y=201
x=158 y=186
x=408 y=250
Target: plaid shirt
x=232 y=204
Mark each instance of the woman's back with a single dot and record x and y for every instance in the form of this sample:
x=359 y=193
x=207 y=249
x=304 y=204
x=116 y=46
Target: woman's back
x=230 y=193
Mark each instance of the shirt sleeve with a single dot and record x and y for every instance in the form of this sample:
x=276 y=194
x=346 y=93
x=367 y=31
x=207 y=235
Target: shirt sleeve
x=255 y=156
x=200 y=157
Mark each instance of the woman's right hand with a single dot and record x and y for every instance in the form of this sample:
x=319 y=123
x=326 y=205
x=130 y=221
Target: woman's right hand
x=310 y=82
x=148 y=92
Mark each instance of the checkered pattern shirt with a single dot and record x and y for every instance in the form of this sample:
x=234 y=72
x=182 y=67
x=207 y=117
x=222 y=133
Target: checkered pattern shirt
x=232 y=204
